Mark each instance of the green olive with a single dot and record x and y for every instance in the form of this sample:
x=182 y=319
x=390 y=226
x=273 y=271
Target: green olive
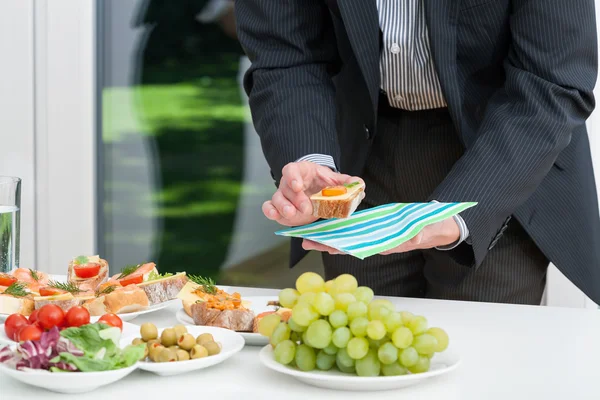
x=212 y=348
x=174 y=348
x=204 y=338
x=137 y=341
x=146 y=352
x=150 y=342
x=154 y=351
x=180 y=330
x=182 y=355
x=198 y=352
x=148 y=331
x=186 y=342
x=168 y=337
x=167 y=355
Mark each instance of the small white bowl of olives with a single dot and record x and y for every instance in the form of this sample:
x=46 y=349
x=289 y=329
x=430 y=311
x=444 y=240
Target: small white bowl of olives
x=182 y=349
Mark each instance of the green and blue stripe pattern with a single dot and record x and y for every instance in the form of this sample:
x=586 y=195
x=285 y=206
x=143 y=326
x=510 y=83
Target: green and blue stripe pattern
x=373 y=231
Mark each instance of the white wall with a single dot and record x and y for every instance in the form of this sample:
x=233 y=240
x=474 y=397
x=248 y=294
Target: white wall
x=16 y=112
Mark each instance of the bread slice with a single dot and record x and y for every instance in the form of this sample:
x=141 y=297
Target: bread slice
x=240 y=320
x=89 y=284
x=164 y=289
x=340 y=206
x=16 y=305
x=64 y=301
x=126 y=300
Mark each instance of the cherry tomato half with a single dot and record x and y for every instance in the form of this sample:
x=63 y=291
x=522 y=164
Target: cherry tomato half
x=29 y=332
x=50 y=291
x=132 y=280
x=87 y=271
x=7 y=280
x=112 y=320
x=50 y=316
x=13 y=325
x=33 y=317
x=77 y=316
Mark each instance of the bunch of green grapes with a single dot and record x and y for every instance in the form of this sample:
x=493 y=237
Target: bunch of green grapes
x=338 y=324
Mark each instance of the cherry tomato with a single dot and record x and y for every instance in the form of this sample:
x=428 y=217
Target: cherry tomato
x=77 y=316
x=50 y=316
x=112 y=320
x=7 y=280
x=50 y=291
x=87 y=271
x=132 y=280
x=29 y=332
x=13 y=324
x=33 y=317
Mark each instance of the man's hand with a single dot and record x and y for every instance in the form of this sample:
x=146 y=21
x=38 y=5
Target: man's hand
x=291 y=205
x=439 y=234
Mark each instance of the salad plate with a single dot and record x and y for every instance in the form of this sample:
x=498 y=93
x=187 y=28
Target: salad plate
x=231 y=343
x=258 y=305
x=442 y=363
x=128 y=330
x=74 y=360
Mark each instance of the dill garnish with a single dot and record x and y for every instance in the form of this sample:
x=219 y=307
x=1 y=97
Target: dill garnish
x=208 y=285
x=67 y=287
x=17 y=289
x=128 y=270
x=34 y=275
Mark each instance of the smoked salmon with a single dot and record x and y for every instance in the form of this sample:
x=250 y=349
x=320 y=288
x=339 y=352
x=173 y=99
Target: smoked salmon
x=33 y=279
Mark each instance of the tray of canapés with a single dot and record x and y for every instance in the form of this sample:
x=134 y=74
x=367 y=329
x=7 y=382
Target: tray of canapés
x=135 y=290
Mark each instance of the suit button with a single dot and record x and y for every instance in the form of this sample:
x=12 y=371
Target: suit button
x=367 y=132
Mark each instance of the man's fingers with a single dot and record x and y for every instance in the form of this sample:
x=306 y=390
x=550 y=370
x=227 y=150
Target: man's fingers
x=270 y=211
x=292 y=177
x=299 y=199
x=310 y=245
x=284 y=206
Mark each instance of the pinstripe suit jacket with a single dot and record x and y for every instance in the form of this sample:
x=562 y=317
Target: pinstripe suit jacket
x=518 y=77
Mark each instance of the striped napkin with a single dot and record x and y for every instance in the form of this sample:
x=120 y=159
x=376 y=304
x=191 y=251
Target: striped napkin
x=369 y=232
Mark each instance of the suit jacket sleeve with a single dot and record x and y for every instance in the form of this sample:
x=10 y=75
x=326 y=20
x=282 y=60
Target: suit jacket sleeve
x=293 y=51
x=550 y=72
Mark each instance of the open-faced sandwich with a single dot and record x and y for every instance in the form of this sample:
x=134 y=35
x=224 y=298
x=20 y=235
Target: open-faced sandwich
x=87 y=272
x=210 y=306
x=117 y=299
x=337 y=201
x=158 y=287
x=16 y=299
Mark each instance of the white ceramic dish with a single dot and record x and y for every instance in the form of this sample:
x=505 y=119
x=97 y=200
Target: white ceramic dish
x=128 y=330
x=258 y=304
x=231 y=343
x=67 y=382
x=442 y=363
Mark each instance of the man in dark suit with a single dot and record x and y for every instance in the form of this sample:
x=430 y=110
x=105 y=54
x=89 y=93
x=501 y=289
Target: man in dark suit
x=436 y=100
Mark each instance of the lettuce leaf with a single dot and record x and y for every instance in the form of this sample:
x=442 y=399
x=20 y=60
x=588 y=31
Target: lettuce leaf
x=87 y=339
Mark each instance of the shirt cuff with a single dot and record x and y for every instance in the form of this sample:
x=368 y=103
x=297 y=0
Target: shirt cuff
x=464 y=234
x=321 y=159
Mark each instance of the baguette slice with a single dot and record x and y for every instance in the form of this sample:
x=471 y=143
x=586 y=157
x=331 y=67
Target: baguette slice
x=164 y=289
x=126 y=300
x=16 y=305
x=240 y=320
x=64 y=301
x=341 y=206
x=89 y=284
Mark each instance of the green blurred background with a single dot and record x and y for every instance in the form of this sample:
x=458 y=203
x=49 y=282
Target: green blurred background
x=187 y=134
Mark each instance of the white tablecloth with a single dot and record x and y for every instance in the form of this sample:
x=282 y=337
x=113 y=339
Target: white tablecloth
x=508 y=352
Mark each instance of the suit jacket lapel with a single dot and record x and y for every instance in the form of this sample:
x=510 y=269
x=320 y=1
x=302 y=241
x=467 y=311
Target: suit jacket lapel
x=441 y=18
x=362 y=24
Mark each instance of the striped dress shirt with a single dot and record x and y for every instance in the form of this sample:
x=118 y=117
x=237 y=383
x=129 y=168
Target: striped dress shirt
x=408 y=76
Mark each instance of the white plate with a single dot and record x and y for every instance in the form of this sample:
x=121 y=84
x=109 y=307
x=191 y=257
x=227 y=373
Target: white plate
x=258 y=304
x=231 y=343
x=441 y=364
x=67 y=382
x=128 y=330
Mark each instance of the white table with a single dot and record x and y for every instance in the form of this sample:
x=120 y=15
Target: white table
x=508 y=353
